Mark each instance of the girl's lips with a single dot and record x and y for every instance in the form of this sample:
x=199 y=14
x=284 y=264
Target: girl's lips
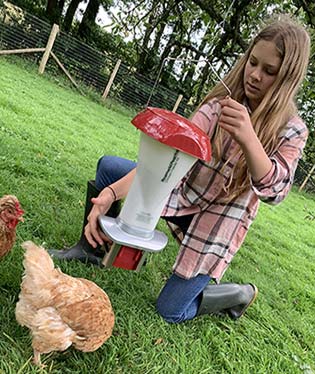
x=252 y=88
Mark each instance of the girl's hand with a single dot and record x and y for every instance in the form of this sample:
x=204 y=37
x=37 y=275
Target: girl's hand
x=93 y=233
x=102 y=203
x=234 y=119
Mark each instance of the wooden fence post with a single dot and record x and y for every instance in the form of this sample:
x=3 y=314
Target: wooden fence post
x=179 y=99
x=111 y=80
x=307 y=178
x=24 y=50
x=48 y=48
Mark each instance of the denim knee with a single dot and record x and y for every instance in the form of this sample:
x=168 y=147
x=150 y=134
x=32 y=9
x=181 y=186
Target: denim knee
x=105 y=165
x=103 y=172
x=110 y=169
x=167 y=314
x=179 y=299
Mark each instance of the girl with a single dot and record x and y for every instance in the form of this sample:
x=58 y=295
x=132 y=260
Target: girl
x=257 y=139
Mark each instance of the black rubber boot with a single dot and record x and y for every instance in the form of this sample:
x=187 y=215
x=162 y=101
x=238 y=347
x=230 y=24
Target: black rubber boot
x=227 y=298
x=83 y=251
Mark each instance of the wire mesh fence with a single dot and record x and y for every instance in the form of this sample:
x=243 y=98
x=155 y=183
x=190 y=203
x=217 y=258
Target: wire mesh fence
x=93 y=69
x=305 y=176
x=21 y=30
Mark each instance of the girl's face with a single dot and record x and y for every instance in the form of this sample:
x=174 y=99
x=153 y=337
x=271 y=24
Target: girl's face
x=260 y=72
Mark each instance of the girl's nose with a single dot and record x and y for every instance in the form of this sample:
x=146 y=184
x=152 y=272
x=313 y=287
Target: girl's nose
x=256 y=74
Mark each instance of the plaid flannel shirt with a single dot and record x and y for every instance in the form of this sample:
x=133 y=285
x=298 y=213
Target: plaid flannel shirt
x=218 y=229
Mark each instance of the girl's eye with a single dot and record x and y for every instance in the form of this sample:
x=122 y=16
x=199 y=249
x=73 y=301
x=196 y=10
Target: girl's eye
x=252 y=62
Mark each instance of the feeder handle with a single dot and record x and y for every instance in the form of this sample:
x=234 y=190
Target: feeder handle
x=191 y=60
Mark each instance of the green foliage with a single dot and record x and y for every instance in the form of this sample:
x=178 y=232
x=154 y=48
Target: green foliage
x=109 y=43
x=50 y=140
x=307 y=110
x=36 y=7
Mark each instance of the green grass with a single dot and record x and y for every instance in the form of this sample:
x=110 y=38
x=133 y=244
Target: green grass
x=50 y=140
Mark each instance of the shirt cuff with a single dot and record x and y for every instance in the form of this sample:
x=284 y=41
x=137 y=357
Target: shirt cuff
x=263 y=186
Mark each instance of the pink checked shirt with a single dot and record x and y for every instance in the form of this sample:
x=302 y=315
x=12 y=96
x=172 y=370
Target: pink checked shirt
x=218 y=229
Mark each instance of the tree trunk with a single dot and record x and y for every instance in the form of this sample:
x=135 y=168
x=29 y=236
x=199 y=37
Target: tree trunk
x=148 y=56
x=168 y=68
x=158 y=38
x=88 y=20
x=187 y=78
x=73 y=6
x=141 y=64
x=52 y=11
x=61 y=4
x=171 y=50
x=201 y=83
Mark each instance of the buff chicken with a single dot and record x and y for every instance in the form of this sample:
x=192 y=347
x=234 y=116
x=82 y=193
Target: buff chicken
x=60 y=310
x=10 y=215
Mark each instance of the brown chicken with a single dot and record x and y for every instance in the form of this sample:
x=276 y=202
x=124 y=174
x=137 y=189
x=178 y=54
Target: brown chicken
x=10 y=215
x=61 y=310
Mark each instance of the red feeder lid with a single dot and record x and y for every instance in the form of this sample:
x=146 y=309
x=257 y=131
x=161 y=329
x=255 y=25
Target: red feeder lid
x=175 y=131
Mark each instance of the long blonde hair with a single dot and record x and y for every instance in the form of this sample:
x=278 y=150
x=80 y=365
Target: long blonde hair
x=271 y=116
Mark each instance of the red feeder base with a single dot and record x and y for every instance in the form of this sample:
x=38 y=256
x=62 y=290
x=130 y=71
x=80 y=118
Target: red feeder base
x=128 y=258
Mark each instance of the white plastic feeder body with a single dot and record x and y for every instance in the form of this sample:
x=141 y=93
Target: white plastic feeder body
x=159 y=169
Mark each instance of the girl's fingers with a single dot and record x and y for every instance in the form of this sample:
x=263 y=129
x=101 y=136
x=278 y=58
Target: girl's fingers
x=227 y=127
x=89 y=237
x=92 y=232
x=228 y=120
x=229 y=102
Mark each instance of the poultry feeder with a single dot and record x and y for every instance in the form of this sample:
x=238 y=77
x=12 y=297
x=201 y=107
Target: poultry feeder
x=169 y=146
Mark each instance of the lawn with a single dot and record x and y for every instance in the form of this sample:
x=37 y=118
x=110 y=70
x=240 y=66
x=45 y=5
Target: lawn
x=50 y=140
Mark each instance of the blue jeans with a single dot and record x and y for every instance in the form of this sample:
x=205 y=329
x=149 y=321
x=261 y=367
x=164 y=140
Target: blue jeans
x=111 y=168
x=180 y=298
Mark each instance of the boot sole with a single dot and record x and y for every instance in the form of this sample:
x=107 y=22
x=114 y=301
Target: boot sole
x=254 y=297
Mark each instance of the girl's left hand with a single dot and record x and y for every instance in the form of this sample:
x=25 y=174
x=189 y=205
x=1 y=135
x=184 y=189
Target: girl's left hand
x=234 y=119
